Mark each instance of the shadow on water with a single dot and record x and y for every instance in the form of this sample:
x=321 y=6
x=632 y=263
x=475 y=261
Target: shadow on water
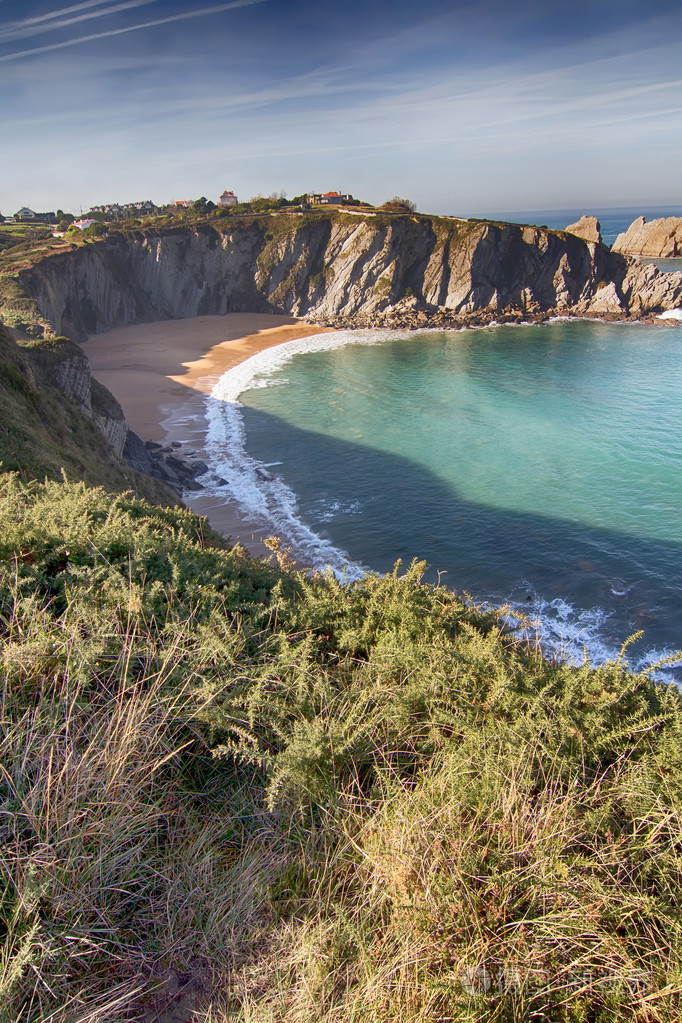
x=380 y=507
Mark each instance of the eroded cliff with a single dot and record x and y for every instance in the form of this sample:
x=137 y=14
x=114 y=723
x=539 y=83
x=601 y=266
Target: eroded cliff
x=340 y=267
x=656 y=238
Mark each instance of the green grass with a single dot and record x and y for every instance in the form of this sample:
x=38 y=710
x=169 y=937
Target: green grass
x=363 y=803
x=337 y=803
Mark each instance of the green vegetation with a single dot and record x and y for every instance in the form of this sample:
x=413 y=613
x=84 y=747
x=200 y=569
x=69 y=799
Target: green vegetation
x=44 y=434
x=349 y=803
x=323 y=803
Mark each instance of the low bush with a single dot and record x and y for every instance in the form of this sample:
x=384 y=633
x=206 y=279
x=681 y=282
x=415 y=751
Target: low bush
x=309 y=801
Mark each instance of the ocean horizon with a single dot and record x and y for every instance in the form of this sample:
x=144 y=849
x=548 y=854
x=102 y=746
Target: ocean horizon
x=613 y=220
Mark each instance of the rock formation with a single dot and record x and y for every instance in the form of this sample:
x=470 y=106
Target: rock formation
x=588 y=228
x=403 y=271
x=65 y=366
x=658 y=238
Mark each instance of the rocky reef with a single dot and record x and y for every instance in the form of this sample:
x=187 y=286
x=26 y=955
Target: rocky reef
x=657 y=238
x=338 y=268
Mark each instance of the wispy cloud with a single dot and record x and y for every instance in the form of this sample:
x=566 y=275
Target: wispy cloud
x=183 y=16
x=66 y=16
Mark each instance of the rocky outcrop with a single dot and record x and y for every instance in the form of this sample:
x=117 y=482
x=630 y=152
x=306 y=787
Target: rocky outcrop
x=64 y=365
x=658 y=238
x=587 y=228
x=108 y=416
x=339 y=267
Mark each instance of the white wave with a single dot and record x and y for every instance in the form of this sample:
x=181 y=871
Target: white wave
x=563 y=631
x=257 y=370
x=670 y=314
x=328 y=509
x=260 y=494
x=574 y=635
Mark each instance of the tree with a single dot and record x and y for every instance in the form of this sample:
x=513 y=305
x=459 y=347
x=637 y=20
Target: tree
x=95 y=230
x=398 y=205
x=202 y=206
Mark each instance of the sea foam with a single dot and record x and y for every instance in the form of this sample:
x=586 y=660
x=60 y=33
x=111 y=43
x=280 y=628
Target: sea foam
x=260 y=494
x=563 y=631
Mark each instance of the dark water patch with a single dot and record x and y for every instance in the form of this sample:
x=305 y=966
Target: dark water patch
x=380 y=506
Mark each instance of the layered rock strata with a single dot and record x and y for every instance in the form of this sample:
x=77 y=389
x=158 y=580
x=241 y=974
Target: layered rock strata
x=657 y=238
x=65 y=365
x=340 y=268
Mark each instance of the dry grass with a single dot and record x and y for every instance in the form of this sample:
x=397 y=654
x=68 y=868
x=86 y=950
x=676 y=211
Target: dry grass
x=409 y=818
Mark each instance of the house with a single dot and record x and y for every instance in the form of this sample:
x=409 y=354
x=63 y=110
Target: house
x=139 y=207
x=329 y=199
x=82 y=224
x=228 y=199
x=111 y=210
x=25 y=215
x=184 y=204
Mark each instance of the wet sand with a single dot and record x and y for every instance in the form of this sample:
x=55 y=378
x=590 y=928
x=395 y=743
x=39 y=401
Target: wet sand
x=160 y=372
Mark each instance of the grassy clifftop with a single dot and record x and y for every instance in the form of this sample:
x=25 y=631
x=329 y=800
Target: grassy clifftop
x=266 y=797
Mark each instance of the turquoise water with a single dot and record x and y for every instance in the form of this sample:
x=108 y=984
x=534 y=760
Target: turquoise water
x=535 y=464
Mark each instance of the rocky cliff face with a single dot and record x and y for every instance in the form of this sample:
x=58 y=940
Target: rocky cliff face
x=658 y=238
x=341 y=267
x=64 y=365
x=588 y=228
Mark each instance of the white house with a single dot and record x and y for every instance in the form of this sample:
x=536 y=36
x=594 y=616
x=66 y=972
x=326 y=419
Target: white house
x=228 y=199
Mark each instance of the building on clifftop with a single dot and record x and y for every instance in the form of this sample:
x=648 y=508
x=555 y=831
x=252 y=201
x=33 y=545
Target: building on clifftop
x=27 y=216
x=329 y=199
x=228 y=199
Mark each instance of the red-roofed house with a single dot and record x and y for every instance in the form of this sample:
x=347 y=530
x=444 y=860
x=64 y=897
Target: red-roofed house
x=329 y=199
x=228 y=199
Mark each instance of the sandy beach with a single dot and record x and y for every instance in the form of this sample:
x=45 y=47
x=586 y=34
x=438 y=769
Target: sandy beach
x=160 y=372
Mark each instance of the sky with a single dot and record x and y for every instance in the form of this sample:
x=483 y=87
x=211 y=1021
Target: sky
x=463 y=108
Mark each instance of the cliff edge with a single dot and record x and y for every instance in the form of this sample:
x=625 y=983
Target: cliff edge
x=403 y=271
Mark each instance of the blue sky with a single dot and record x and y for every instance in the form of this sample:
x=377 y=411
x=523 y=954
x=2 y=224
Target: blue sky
x=468 y=108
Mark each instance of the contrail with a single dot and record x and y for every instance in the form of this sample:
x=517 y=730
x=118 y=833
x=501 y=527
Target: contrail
x=131 y=28
x=53 y=22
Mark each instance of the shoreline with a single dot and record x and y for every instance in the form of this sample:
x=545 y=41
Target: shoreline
x=161 y=373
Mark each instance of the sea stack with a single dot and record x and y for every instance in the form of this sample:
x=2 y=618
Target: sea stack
x=658 y=238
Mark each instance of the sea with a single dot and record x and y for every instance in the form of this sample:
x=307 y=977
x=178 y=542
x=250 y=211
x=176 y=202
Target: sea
x=535 y=467
x=613 y=220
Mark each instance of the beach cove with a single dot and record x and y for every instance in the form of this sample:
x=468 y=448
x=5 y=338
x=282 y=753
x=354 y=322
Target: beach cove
x=161 y=373
x=348 y=446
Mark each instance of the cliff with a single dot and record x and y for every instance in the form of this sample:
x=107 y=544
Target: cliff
x=55 y=418
x=587 y=227
x=658 y=238
x=337 y=267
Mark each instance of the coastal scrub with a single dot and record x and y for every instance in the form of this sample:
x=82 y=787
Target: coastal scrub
x=312 y=801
